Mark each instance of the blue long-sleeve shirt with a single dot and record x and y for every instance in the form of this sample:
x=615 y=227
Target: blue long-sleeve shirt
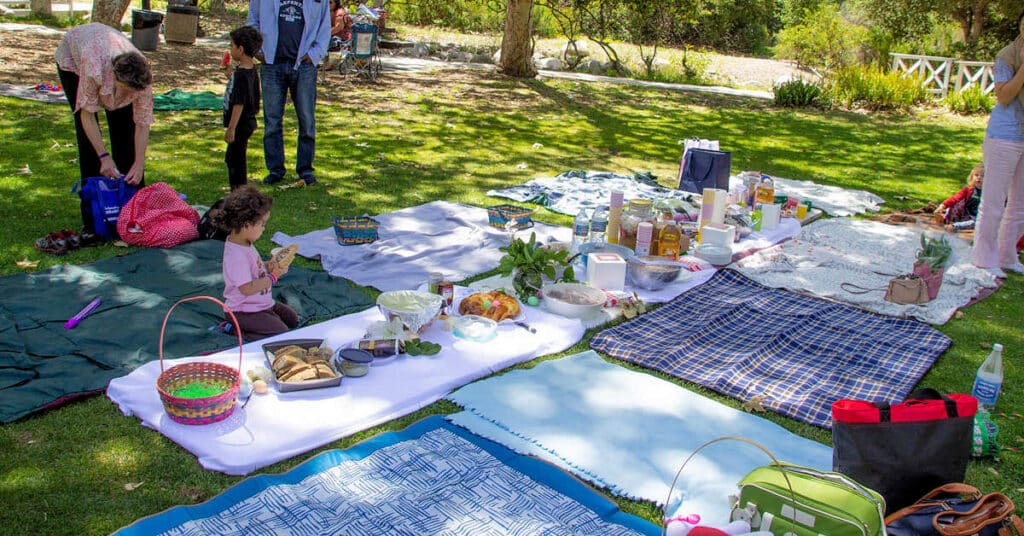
x=316 y=34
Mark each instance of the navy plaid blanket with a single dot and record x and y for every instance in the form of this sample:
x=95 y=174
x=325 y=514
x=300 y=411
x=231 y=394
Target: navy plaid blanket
x=744 y=340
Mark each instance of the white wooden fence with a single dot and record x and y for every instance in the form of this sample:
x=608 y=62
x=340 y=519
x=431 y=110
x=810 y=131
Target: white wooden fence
x=936 y=73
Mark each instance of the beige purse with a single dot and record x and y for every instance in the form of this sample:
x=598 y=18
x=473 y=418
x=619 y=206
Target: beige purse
x=907 y=288
x=902 y=290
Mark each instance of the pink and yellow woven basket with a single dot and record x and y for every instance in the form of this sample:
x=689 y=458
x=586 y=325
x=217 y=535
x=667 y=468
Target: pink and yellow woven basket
x=203 y=410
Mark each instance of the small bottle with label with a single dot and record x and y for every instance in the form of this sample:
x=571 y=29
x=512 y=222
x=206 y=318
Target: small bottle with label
x=644 y=232
x=989 y=380
x=614 y=218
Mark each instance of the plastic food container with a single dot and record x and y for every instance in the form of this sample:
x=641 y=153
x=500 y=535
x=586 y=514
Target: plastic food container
x=651 y=273
x=353 y=362
x=603 y=247
x=474 y=328
x=573 y=300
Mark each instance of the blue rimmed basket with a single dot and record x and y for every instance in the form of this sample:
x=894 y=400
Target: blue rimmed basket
x=500 y=216
x=356 y=230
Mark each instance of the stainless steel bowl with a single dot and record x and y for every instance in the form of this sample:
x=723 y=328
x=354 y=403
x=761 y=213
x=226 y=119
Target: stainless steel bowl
x=651 y=273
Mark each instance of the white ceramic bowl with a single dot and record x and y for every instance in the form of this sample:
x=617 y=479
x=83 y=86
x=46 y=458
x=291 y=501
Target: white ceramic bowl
x=716 y=255
x=415 y=308
x=573 y=300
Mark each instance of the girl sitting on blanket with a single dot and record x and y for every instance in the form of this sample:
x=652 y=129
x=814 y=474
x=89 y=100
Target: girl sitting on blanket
x=961 y=210
x=247 y=279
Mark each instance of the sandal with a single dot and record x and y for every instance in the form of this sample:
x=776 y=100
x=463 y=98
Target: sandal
x=72 y=238
x=53 y=243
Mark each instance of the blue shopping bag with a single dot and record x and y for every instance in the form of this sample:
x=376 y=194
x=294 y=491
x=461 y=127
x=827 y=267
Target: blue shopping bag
x=106 y=196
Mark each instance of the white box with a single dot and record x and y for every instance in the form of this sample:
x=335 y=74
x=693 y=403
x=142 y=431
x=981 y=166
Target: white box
x=718 y=234
x=606 y=271
x=712 y=208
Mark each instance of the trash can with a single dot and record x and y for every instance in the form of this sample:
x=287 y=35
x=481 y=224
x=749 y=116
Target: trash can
x=146 y=28
x=182 y=24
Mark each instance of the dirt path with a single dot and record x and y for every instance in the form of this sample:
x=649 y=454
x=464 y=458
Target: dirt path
x=26 y=58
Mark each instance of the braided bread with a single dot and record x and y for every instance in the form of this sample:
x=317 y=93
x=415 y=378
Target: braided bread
x=494 y=305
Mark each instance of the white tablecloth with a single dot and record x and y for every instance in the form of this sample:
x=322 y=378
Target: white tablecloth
x=277 y=426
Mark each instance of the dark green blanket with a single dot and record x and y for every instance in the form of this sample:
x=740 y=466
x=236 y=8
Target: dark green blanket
x=177 y=99
x=43 y=364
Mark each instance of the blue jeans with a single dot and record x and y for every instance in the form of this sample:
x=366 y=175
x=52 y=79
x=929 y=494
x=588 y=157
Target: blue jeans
x=277 y=80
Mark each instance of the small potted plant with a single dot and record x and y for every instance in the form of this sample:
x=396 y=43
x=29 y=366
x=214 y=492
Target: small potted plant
x=931 y=262
x=529 y=263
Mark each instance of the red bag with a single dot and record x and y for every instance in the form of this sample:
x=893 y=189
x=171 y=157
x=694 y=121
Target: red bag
x=157 y=217
x=860 y=411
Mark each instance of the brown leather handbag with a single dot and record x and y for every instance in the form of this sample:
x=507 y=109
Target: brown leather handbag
x=906 y=289
x=956 y=510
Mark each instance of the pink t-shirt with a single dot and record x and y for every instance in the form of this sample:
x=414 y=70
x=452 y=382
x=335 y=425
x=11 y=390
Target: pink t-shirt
x=88 y=51
x=242 y=264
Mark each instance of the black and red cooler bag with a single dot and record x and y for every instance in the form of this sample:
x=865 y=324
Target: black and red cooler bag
x=904 y=450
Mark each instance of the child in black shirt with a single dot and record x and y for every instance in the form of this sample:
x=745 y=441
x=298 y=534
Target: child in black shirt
x=241 y=103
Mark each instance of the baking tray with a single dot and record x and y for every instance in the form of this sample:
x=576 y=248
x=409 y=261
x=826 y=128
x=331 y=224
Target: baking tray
x=285 y=387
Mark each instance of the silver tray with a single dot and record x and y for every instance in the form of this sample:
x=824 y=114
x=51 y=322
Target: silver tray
x=285 y=387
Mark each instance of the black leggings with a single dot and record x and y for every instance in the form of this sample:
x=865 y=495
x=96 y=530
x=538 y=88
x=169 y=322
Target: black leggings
x=121 y=123
x=234 y=157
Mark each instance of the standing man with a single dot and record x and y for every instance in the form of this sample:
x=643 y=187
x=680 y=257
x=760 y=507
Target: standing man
x=296 y=34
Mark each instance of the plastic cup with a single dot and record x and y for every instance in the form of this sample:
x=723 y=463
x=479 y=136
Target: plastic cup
x=801 y=212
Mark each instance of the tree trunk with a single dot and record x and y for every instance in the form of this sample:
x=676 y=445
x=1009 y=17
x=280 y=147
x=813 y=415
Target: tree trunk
x=217 y=7
x=41 y=7
x=978 y=20
x=516 y=44
x=109 y=12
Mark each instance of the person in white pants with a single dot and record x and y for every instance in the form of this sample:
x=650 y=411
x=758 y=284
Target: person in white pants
x=1001 y=215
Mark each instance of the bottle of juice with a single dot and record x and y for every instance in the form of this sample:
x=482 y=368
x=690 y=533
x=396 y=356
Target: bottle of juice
x=766 y=190
x=669 y=241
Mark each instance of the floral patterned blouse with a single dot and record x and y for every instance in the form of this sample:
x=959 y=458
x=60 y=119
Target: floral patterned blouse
x=88 y=51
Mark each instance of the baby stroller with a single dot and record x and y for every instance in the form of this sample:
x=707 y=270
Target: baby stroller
x=361 y=57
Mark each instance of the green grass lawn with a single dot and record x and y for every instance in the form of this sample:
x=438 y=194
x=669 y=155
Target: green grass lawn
x=452 y=136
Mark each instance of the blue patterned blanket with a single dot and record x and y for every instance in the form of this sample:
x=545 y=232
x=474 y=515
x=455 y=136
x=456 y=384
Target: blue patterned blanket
x=431 y=478
x=801 y=354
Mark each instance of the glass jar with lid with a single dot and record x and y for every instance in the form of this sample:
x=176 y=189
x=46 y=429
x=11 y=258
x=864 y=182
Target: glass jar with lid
x=639 y=210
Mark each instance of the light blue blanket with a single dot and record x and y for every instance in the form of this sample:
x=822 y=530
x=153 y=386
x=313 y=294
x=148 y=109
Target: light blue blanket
x=628 y=431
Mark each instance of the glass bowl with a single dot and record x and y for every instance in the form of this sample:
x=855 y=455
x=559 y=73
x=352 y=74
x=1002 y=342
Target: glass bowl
x=414 y=308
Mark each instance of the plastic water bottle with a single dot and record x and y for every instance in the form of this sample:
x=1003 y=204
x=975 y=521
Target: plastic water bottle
x=580 y=230
x=989 y=380
x=599 y=224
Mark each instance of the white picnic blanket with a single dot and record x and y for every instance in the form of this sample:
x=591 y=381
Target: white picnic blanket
x=439 y=236
x=834 y=200
x=31 y=93
x=867 y=254
x=568 y=192
x=278 y=425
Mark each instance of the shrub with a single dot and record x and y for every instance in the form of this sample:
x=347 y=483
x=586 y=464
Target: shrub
x=824 y=40
x=874 y=89
x=797 y=93
x=969 y=101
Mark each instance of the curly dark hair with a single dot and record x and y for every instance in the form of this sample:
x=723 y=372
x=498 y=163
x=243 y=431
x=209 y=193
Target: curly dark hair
x=132 y=69
x=249 y=38
x=243 y=206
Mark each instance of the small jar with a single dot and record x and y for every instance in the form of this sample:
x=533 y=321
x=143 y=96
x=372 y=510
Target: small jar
x=354 y=362
x=433 y=281
x=639 y=210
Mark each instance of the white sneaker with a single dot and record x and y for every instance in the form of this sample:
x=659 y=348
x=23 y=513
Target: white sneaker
x=996 y=272
x=1015 y=267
